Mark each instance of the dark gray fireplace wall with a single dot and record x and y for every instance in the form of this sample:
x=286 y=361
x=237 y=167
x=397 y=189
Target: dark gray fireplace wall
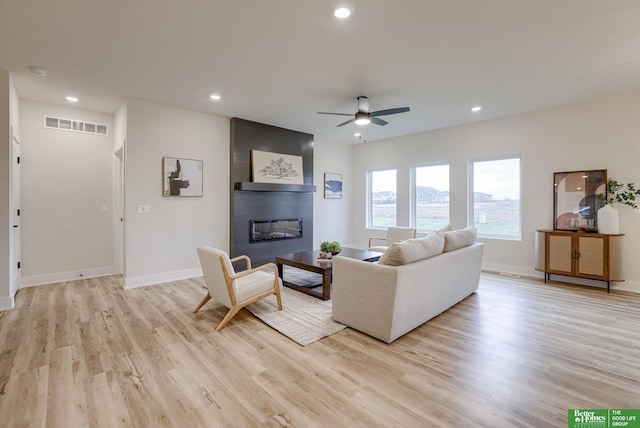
x=249 y=205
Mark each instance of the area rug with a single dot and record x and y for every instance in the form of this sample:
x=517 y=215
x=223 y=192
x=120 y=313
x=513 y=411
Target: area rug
x=303 y=319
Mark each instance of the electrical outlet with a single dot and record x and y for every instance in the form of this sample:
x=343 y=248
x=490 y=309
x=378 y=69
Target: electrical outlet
x=143 y=209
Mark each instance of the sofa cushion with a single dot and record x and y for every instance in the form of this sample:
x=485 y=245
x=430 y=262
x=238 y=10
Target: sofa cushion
x=412 y=250
x=459 y=238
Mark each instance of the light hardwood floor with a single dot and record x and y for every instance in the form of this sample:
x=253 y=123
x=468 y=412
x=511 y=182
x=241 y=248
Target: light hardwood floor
x=516 y=353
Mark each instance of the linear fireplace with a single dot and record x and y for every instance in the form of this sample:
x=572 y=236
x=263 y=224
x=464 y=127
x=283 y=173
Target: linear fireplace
x=269 y=230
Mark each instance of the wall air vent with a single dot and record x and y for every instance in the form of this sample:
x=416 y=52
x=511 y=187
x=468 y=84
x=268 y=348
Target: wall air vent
x=75 y=125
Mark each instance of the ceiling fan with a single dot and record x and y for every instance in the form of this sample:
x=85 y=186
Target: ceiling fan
x=364 y=116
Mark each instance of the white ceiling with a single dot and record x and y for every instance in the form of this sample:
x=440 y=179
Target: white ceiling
x=281 y=61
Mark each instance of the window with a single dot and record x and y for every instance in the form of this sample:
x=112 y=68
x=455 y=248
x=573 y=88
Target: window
x=495 y=200
x=382 y=198
x=431 y=196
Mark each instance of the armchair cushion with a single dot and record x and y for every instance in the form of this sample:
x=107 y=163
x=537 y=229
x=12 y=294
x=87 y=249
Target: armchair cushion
x=394 y=234
x=397 y=233
x=251 y=285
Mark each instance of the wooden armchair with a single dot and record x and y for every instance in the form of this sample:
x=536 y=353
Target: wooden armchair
x=394 y=234
x=236 y=290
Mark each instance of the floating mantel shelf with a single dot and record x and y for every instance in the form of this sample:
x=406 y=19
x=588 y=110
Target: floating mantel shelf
x=250 y=186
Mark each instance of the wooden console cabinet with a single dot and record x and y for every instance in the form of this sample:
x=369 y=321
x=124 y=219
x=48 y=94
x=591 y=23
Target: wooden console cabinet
x=582 y=255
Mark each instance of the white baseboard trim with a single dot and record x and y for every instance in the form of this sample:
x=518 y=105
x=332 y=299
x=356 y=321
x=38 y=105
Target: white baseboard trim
x=159 y=278
x=50 y=278
x=6 y=303
x=510 y=270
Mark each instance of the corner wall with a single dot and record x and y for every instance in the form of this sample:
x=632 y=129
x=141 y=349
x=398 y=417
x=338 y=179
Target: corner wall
x=599 y=134
x=161 y=245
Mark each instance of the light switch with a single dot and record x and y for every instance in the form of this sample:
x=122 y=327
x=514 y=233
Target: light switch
x=105 y=208
x=143 y=209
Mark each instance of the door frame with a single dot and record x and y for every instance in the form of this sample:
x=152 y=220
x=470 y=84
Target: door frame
x=15 y=272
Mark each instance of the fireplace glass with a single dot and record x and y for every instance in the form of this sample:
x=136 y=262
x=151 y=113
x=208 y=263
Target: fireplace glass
x=268 y=230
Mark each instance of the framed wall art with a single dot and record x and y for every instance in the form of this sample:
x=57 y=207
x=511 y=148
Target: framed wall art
x=332 y=185
x=575 y=198
x=181 y=177
x=268 y=167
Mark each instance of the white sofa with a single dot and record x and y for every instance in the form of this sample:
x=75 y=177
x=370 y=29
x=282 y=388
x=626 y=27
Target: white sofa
x=386 y=301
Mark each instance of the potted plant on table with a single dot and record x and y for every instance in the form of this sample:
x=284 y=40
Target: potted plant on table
x=329 y=248
x=608 y=218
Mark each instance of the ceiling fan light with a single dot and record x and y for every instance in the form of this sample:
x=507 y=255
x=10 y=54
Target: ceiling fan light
x=362 y=121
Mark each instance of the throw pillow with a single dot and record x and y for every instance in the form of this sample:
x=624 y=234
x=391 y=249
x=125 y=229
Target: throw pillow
x=412 y=250
x=459 y=238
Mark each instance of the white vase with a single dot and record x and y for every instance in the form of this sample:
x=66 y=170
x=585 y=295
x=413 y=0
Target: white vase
x=608 y=220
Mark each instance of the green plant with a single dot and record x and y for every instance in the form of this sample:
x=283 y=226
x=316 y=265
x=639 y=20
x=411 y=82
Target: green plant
x=622 y=193
x=330 y=247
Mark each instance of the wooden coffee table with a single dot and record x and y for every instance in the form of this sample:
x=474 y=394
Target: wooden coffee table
x=308 y=260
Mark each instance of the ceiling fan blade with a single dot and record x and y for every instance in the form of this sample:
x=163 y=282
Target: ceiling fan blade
x=390 y=111
x=378 y=121
x=346 y=123
x=335 y=114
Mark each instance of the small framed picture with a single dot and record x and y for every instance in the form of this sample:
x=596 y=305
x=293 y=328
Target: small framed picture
x=332 y=185
x=181 y=177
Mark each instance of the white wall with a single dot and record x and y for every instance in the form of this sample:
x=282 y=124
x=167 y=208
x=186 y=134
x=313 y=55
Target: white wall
x=66 y=180
x=161 y=246
x=600 y=134
x=6 y=297
x=331 y=217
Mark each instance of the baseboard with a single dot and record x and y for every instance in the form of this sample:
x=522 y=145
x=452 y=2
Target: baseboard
x=6 y=303
x=159 y=278
x=513 y=270
x=50 y=278
x=524 y=271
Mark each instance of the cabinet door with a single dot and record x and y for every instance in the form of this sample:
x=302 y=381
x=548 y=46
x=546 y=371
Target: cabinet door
x=592 y=251
x=560 y=253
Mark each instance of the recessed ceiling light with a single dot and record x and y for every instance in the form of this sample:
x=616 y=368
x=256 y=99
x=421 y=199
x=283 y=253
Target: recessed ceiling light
x=38 y=71
x=71 y=99
x=215 y=97
x=476 y=109
x=343 y=12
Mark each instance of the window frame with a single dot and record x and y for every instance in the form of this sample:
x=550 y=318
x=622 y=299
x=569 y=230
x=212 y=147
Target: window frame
x=414 y=200
x=369 y=211
x=471 y=196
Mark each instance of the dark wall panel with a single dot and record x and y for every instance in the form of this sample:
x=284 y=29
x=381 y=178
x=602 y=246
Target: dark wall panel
x=251 y=205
